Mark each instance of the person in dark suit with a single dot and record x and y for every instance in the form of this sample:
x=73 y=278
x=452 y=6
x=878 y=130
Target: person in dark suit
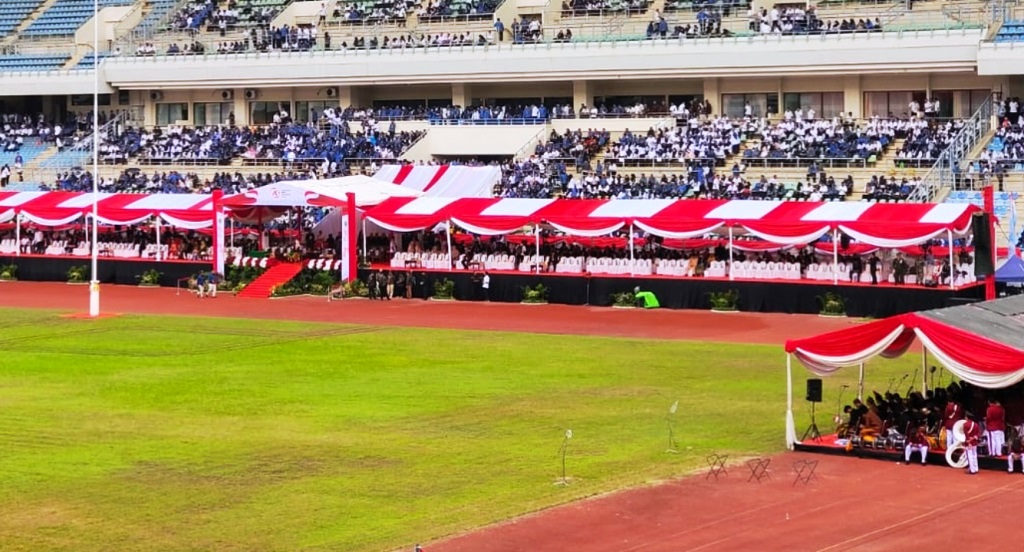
x=856 y=267
x=899 y=270
x=873 y=263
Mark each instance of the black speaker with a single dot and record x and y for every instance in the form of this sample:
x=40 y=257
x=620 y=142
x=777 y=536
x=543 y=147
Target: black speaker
x=814 y=390
x=984 y=260
x=844 y=242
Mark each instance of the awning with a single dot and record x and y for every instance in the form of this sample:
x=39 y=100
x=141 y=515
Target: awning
x=780 y=222
x=443 y=180
x=59 y=208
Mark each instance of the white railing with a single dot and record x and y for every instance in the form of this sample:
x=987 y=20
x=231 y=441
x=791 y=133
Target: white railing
x=941 y=176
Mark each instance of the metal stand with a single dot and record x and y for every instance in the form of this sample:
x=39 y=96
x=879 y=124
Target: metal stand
x=812 y=431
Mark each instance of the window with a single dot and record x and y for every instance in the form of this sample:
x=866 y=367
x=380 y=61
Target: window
x=311 y=111
x=214 y=113
x=85 y=100
x=825 y=104
x=896 y=104
x=262 y=113
x=124 y=97
x=761 y=105
x=171 y=113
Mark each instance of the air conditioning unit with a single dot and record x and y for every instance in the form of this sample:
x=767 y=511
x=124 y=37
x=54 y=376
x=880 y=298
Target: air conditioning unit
x=251 y=93
x=156 y=95
x=331 y=92
x=227 y=94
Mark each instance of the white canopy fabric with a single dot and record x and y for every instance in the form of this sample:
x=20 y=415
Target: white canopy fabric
x=331 y=192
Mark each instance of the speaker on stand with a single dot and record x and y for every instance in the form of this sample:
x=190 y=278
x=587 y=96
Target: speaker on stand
x=984 y=260
x=813 y=397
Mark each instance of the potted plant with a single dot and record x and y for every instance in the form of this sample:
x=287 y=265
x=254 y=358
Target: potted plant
x=536 y=295
x=8 y=273
x=150 y=278
x=624 y=300
x=356 y=288
x=724 y=301
x=832 y=305
x=444 y=290
x=78 y=274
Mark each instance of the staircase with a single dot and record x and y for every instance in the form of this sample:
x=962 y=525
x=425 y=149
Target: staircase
x=274 y=276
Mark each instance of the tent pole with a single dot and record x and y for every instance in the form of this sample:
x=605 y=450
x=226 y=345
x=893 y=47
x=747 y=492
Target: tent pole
x=730 y=254
x=860 y=383
x=952 y=267
x=632 y=260
x=231 y=223
x=924 y=370
x=17 y=233
x=448 y=237
x=159 y=252
x=835 y=257
x=536 y=235
x=352 y=259
x=790 y=424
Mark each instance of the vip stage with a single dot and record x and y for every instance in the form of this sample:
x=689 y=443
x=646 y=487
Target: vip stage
x=112 y=270
x=793 y=297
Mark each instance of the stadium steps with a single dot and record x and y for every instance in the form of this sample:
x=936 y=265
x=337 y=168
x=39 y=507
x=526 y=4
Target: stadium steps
x=27 y=22
x=276 y=275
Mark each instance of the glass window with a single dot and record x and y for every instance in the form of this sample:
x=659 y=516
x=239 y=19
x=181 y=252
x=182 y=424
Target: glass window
x=171 y=113
x=882 y=104
x=212 y=113
x=312 y=110
x=262 y=113
x=734 y=105
x=85 y=100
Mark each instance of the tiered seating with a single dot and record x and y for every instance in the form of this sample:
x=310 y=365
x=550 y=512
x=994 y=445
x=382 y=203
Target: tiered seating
x=1011 y=31
x=29 y=151
x=159 y=9
x=66 y=16
x=13 y=12
x=1004 y=201
x=33 y=62
x=87 y=61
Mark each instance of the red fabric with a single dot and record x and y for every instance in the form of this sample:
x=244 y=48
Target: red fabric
x=846 y=341
x=437 y=176
x=954 y=413
x=995 y=418
x=979 y=353
x=403 y=173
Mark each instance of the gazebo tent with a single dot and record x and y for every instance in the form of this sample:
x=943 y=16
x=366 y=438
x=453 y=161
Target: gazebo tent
x=1011 y=271
x=980 y=343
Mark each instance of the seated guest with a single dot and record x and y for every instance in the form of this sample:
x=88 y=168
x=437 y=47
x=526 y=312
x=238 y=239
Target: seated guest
x=871 y=422
x=917 y=441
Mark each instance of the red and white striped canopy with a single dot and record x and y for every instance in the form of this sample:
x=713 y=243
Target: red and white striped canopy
x=782 y=222
x=59 y=208
x=443 y=180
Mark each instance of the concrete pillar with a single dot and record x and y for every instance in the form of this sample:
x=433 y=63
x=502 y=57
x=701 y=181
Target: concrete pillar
x=712 y=93
x=853 y=96
x=349 y=96
x=582 y=94
x=461 y=95
x=241 y=108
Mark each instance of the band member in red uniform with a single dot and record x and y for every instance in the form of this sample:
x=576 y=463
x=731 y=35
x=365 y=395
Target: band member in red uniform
x=1016 y=451
x=917 y=440
x=972 y=431
x=954 y=413
x=995 y=426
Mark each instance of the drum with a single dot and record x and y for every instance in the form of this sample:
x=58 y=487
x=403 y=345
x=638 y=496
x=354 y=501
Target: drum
x=943 y=439
x=933 y=443
x=955 y=456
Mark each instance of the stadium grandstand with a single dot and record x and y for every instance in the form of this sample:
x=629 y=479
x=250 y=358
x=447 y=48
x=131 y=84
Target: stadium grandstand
x=603 y=99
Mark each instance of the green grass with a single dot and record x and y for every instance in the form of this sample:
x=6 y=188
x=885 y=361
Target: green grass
x=152 y=433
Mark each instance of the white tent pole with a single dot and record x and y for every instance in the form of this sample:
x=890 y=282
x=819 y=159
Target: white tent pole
x=536 y=234
x=860 y=383
x=448 y=237
x=159 y=251
x=790 y=424
x=924 y=370
x=835 y=257
x=730 y=254
x=17 y=233
x=952 y=267
x=632 y=260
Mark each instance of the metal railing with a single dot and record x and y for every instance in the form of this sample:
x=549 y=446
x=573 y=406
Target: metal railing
x=942 y=175
x=78 y=155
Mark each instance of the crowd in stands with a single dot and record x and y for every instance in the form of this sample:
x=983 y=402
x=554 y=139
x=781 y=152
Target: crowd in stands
x=926 y=139
x=178 y=182
x=193 y=16
x=435 y=9
x=713 y=139
x=789 y=20
x=573 y=144
x=281 y=142
x=588 y=7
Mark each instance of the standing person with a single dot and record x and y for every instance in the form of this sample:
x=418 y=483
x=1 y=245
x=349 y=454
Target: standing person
x=410 y=282
x=211 y=284
x=201 y=285
x=972 y=431
x=486 y=285
x=917 y=441
x=873 y=263
x=856 y=267
x=390 y=285
x=954 y=413
x=899 y=270
x=371 y=285
x=995 y=426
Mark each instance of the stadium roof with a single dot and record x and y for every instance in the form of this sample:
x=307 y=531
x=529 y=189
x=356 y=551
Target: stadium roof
x=981 y=343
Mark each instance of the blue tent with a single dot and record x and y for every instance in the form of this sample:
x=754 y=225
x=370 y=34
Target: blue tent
x=1011 y=271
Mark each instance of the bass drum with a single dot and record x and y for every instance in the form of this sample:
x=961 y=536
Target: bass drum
x=955 y=456
x=943 y=439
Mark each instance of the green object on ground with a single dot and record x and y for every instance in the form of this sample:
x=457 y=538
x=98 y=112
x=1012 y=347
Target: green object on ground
x=650 y=301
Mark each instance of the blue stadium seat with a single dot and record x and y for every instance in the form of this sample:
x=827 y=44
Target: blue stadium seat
x=29 y=151
x=13 y=12
x=28 y=62
x=66 y=16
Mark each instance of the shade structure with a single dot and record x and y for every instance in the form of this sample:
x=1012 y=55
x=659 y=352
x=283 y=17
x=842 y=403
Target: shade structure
x=779 y=222
x=60 y=208
x=1011 y=271
x=981 y=343
x=329 y=192
x=443 y=180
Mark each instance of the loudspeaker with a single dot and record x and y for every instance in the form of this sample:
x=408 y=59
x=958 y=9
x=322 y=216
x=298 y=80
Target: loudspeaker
x=981 y=227
x=844 y=242
x=814 y=390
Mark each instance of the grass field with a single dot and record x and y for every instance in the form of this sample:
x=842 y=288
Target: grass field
x=150 y=433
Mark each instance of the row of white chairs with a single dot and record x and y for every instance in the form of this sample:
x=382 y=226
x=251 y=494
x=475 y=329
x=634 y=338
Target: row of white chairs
x=761 y=270
x=437 y=261
x=8 y=246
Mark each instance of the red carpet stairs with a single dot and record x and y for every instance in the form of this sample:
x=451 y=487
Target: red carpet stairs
x=274 y=276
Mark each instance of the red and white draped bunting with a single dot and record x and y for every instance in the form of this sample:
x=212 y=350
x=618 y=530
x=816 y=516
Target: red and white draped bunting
x=60 y=208
x=780 y=222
